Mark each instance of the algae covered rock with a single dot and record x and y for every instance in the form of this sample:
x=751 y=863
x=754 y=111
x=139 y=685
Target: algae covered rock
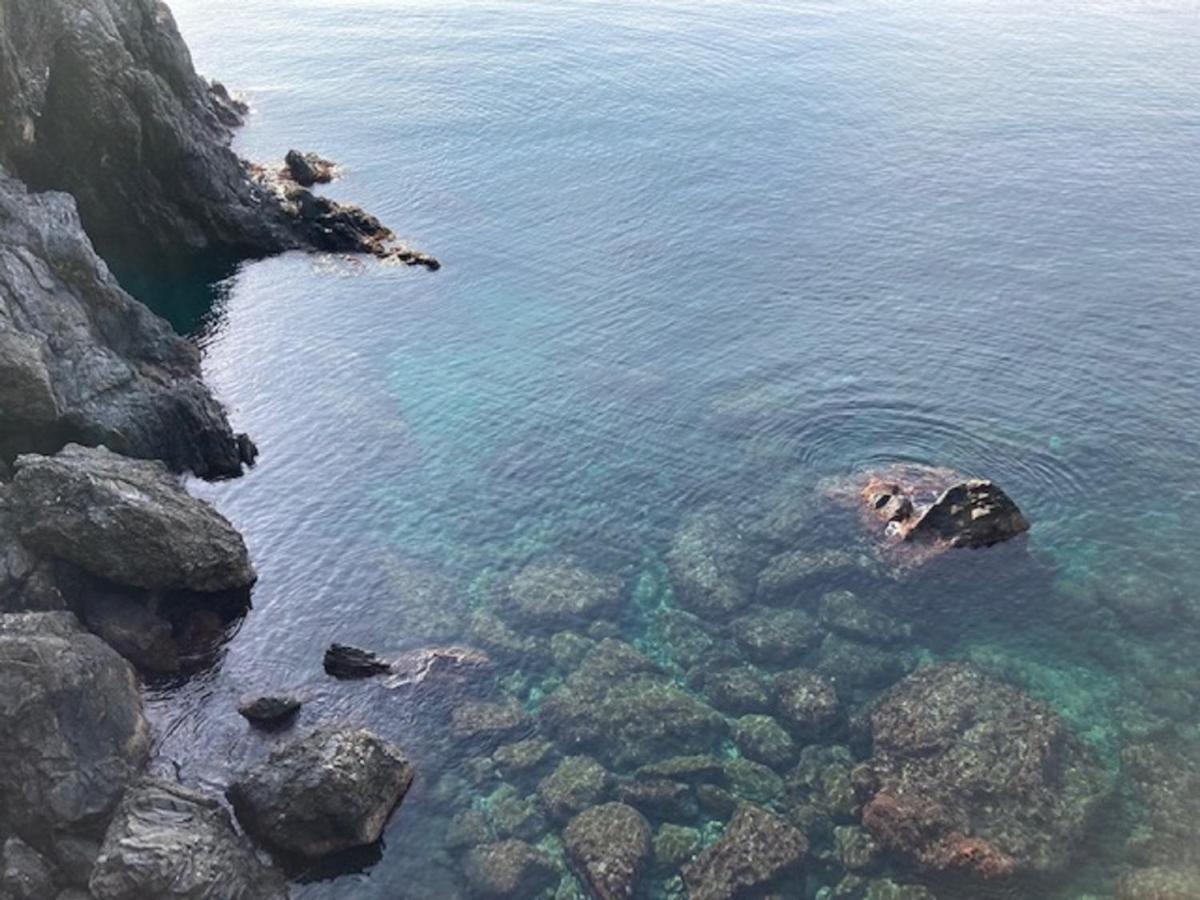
x=711 y=567
x=619 y=707
x=949 y=735
x=166 y=841
x=330 y=790
x=739 y=690
x=788 y=577
x=776 y=637
x=764 y=740
x=1159 y=883
x=71 y=505
x=560 y=594
x=577 y=783
x=758 y=852
x=809 y=704
x=487 y=723
x=674 y=845
x=509 y=869
x=609 y=846
x=852 y=617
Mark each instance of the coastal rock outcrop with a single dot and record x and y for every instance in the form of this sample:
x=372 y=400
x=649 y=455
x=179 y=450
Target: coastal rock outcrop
x=948 y=735
x=81 y=360
x=74 y=733
x=330 y=790
x=127 y=521
x=916 y=512
x=166 y=841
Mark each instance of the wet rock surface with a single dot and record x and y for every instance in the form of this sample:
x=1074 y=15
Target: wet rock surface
x=609 y=847
x=757 y=853
x=307 y=169
x=269 y=711
x=330 y=790
x=73 y=505
x=350 y=663
x=81 y=360
x=167 y=841
x=74 y=736
x=949 y=735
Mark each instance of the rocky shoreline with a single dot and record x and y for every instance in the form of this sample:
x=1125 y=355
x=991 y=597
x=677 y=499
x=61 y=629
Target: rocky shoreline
x=792 y=733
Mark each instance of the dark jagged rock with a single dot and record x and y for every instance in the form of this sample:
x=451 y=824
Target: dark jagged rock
x=609 y=846
x=72 y=505
x=331 y=790
x=81 y=360
x=27 y=582
x=307 y=169
x=100 y=99
x=24 y=873
x=949 y=735
x=351 y=663
x=270 y=711
x=166 y=841
x=917 y=512
x=757 y=852
x=510 y=868
x=74 y=733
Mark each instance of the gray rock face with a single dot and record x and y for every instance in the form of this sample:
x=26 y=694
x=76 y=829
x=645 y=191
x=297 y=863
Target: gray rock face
x=127 y=521
x=27 y=583
x=24 y=873
x=82 y=360
x=99 y=98
x=166 y=841
x=328 y=791
x=74 y=734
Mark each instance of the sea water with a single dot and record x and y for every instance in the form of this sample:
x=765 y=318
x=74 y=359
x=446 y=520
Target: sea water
x=702 y=256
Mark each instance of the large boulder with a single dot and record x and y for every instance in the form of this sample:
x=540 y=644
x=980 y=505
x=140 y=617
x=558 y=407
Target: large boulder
x=947 y=736
x=127 y=521
x=82 y=360
x=331 y=790
x=757 y=853
x=74 y=733
x=511 y=868
x=166 y=841
x=609 y=846
x=712 y=566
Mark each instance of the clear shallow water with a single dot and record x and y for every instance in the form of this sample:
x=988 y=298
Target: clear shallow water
x=706 y=254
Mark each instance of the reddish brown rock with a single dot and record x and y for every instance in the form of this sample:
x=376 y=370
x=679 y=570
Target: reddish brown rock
x=971 y=776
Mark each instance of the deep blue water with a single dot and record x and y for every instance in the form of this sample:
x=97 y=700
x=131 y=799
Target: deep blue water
x=704 y=254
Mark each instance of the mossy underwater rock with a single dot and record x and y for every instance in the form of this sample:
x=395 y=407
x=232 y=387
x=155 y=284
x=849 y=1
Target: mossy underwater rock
x=609 y=847
x=758 y=852
x=509 y=869
x=577 y=783
x=712 y=567
x=559 y=594
x=624 y=710
x=949 y=735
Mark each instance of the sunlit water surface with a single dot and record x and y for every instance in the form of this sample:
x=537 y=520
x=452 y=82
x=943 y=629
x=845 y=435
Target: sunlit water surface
x=703 y=255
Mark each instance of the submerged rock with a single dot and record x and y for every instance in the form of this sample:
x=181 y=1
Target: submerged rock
x=850 y=616
x=1164 y=779
x=764 y=740
x=949 y=735
x=442 y=669
x=619 y=707
x=711 y=566
x=349 y=663
x=74 y=733
x=776 y=637
x=609 y=846
x=739 y=690
x=269 y=711
x=809 y=704
x=166 y=841
x=790 y=576
x=577 y=783
x=1159 y=883
x=757 y=853
x=488 y=723
x=73 y=505
x=510 y=868
x=331 y=790
x=561 y=594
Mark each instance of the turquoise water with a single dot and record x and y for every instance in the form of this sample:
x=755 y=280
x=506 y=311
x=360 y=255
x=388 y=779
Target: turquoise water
x=701 y=256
